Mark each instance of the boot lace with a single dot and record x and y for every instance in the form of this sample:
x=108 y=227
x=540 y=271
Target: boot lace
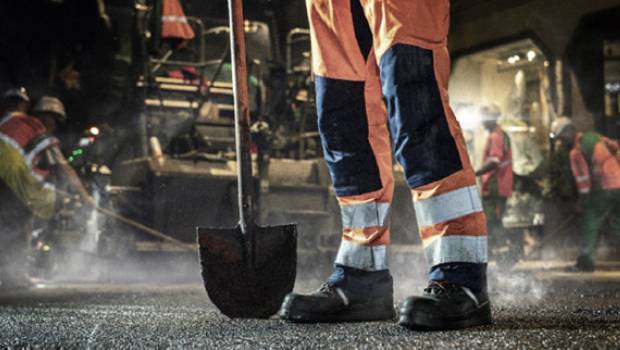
x=441 y=289
x=329 y=290
x=326 y=289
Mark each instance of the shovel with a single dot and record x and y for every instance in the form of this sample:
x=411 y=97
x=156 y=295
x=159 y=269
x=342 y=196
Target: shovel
x=249 y=269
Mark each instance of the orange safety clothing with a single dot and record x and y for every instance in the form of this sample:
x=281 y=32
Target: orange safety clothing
x=174 y=22
x=594 y=163
x=498 y=149
x=23 y=141
x=365 y=52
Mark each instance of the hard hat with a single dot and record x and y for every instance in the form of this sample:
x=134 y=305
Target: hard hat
x=49 y=104
x=490 y=112
x=19 y=93
x=559 y=125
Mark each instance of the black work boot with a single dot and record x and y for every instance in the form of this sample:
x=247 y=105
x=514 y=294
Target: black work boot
x=445 y=306
x=356 y=296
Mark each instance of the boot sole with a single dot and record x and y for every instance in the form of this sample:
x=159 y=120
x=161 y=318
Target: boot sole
x=430 y=322
x=358 y=313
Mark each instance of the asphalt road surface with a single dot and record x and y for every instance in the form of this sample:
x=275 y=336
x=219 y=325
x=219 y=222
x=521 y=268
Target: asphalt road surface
x=533 y=308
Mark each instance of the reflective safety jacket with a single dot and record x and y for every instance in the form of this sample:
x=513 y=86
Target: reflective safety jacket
x=499 y=181
x=23 y=142
x=594 y=163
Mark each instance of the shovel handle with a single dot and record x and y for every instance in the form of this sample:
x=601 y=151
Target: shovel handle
x=242 y=114
x=135 y=224
x=145 y=229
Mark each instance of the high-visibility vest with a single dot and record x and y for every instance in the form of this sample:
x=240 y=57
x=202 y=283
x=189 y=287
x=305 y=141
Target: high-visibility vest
x=594 y=163
x=23 y=140
x=30 y=137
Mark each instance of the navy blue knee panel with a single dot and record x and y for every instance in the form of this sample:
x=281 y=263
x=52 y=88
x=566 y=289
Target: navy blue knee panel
x=422 y=140
x=343 y=125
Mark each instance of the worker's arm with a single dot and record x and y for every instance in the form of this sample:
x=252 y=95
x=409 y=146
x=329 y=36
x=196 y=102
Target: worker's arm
x=66 y=173
x=494 y=153
x=489 y=165
x=612 y=145
x=581 y=173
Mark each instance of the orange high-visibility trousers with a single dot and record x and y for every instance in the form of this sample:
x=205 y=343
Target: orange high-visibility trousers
x=381 y=67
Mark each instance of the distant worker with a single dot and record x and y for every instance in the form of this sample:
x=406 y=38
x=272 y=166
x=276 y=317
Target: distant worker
x=596 y=169
x=496 y=171
x=30 y=162
x=365 y=52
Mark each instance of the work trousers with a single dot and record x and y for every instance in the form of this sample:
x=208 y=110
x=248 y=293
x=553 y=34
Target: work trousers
x=601 y=205
x=494 y=209
x=382 y=67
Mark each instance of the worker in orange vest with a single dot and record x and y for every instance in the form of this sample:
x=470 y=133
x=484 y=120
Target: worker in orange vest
x=596 y=169
x=365 y=52
x=29 y=157
x=496 y=171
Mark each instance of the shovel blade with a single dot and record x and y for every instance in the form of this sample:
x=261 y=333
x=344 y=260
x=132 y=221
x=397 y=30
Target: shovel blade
x=248 y=284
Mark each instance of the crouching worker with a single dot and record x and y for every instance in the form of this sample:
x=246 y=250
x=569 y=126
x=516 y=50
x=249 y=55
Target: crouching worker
x=30 y=158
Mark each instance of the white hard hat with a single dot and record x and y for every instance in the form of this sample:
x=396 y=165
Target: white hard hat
x=490 y=112
x=559 y=125
x=19 y=93
x=49 y=104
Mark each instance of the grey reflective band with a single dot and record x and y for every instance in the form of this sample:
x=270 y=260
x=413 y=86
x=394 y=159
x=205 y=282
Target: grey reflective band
x=5 y=118
x=584 y=178
x=9 y=141
x=505 y=163
x=43 y=144
x=446 y=249
x=177 y=19
x=372 y=214
x=447 y=206
x=363 y=257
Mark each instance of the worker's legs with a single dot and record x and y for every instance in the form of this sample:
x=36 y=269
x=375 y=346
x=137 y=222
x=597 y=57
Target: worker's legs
x=594 y=214
x=494 y=208
x=614 y=213
x=410 y=46
x=410 y=41
x=428 y=141
x=353 y=125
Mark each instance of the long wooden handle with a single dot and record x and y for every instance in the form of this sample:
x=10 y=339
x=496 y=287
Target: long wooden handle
x=135 y=224
x=145 y=229
x=242 y=114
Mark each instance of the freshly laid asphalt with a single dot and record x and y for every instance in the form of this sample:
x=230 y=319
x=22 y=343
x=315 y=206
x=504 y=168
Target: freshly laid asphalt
x=533 y=308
